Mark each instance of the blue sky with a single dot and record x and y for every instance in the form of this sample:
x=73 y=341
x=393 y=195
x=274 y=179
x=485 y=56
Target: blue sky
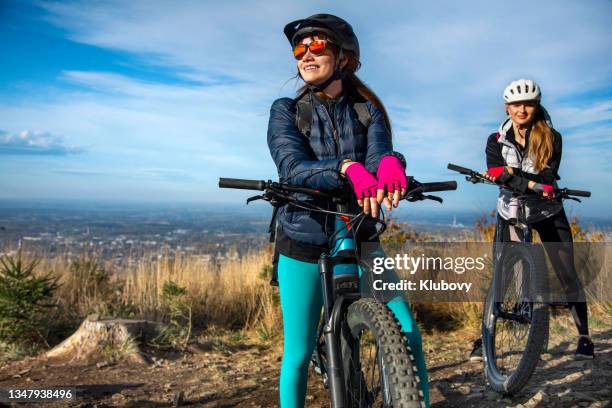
x=154 y=100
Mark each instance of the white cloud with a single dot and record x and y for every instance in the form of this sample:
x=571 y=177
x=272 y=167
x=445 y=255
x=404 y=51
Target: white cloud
x=29 y=142
x=439 y=67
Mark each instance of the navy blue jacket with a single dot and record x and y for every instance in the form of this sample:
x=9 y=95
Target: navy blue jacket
x=336 y=134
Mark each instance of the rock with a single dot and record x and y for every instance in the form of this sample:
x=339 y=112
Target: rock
x=118 y=397
x=572 y=377
x=540 y=397
x=169 y=385
x=102 y=364
x=465 y=389
x=564 y=392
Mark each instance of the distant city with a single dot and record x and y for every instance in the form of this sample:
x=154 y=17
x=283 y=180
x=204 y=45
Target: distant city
x=127 y=233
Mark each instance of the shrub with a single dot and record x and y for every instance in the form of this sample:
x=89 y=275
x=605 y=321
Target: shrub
x=24 y=299
x=179 y=307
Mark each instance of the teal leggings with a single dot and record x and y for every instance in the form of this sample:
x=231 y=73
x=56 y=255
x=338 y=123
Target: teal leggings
x=301 y=302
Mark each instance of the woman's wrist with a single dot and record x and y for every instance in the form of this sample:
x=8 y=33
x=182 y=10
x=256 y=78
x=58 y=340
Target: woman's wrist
x=345 y=165
x=531 y=185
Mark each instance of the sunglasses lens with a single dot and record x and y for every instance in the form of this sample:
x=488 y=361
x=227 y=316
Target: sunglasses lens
x=299 y=51
x=317 y=47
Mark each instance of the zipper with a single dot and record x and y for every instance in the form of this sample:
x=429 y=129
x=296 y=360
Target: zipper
x=333 y=126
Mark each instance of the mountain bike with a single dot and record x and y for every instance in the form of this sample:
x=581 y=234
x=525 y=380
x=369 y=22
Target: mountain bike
x=361 y=353
x=516 y=314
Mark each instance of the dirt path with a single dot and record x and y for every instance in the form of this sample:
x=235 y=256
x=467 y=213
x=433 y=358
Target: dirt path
x=244 y=374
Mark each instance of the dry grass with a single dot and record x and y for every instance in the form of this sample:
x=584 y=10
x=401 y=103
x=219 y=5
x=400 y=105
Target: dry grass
x=234 y=296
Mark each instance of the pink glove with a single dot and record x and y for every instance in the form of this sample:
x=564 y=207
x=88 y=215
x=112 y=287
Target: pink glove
x=495 y=172
x=544 y=188
x=364 y=184
x=391 y=174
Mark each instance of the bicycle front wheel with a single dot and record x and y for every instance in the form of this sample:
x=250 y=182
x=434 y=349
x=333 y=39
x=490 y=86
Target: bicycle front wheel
x=379 y=368
x=515 y=319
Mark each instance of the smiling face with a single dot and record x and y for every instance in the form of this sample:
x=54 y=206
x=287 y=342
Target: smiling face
x=316 y=69
x=522 y=113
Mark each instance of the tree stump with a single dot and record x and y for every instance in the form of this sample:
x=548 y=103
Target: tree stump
x=109 y=337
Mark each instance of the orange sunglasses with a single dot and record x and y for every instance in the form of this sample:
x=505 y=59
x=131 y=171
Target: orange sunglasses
x=317 y=47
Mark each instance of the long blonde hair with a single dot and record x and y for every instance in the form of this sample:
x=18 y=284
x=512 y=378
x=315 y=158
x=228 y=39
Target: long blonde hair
x=540 y=141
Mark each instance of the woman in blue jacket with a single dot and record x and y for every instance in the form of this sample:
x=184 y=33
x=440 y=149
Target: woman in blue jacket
x=333 y=149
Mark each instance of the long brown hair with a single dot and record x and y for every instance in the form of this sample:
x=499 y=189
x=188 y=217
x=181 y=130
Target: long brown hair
x=540 y=141
x=354 y=85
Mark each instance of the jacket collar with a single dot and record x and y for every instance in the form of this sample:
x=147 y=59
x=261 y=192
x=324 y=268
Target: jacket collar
x=338 y=102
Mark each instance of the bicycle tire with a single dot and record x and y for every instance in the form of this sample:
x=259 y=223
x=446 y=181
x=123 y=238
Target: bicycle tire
x=398 y=377
x=538 y=321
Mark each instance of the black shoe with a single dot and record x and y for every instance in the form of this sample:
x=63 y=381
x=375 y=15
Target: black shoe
x=585 y=349
x=476 y=354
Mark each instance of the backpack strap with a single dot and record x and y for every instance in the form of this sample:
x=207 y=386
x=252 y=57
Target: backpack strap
x=303 y=113
x=363 y=114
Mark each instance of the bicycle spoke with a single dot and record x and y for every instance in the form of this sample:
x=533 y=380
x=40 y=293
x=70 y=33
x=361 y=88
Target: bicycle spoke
x=512 y=327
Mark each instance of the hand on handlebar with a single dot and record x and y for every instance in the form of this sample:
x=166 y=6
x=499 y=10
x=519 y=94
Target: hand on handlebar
x=545 y=189
x=498 y=174
x=364 y=185
x=392 y=181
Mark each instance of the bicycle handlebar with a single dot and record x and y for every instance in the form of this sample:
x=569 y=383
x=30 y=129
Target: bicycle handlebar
x=577 y=193
x=476 y=177
x=459 y=169
x=261 y=185
x=439 y=186
x=242 y=184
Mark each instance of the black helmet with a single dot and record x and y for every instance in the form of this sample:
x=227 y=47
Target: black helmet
x=336 y=28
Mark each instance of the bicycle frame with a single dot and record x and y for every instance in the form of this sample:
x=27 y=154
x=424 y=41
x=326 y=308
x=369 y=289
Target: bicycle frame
x=340 y=283
x=338 y=268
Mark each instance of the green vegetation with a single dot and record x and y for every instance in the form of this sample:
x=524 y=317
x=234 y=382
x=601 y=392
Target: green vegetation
x=179 y=308
x=24 y=300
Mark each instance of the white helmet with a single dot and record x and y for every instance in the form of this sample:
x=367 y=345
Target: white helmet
x=522 y=90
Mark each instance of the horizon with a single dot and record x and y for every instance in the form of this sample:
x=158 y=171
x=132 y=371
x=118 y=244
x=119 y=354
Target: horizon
x=425 y=212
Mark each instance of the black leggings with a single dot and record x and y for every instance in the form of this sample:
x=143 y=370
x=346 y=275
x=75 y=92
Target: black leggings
x=557 y=229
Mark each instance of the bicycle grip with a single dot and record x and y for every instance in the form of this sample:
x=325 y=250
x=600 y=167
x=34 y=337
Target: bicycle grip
x=439 y=186
x=459 y=169
x=242 y=184
x=578 y=193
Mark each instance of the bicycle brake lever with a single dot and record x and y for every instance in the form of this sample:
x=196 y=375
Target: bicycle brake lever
x=574 y=198
x=255 y=198
x=414 y=196
x=434 y=198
